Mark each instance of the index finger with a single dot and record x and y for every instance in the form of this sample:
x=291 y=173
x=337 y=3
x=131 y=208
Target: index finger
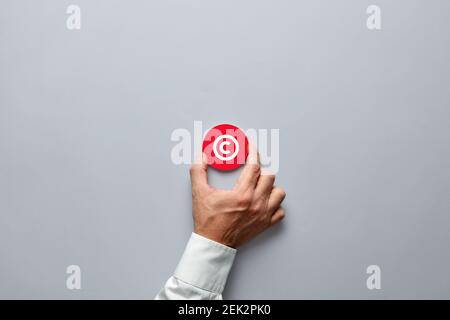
x=252 y=170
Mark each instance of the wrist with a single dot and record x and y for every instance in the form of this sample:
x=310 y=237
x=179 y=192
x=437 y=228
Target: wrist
x=216 y=237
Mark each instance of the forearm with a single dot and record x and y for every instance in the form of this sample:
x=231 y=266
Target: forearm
x=202 y=271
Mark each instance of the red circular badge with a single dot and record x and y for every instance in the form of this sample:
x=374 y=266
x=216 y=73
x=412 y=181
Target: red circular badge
x=226 y=147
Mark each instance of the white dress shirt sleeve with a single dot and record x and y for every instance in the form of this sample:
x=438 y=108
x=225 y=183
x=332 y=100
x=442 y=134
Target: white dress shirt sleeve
x=201 y=273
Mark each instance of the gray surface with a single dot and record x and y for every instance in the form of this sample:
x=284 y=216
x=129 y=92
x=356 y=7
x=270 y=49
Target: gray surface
x=86 y=118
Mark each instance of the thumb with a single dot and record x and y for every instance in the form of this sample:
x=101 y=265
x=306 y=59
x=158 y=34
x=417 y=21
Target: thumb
x=199 y=172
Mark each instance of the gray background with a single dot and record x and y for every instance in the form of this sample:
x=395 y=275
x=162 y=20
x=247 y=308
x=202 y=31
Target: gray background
x=86 y=118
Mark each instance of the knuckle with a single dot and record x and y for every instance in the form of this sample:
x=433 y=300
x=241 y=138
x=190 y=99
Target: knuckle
x=244 y=201
x=280 y=192
x=256 y=168
x=268 y=177
x=255 y=208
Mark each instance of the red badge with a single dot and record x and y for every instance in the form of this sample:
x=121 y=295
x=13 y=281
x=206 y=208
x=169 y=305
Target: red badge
x=226 y=147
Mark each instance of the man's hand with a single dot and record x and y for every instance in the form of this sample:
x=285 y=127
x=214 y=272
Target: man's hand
x=233 y=217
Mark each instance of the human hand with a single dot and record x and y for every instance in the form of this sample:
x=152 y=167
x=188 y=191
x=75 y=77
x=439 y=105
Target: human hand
x=233 y=217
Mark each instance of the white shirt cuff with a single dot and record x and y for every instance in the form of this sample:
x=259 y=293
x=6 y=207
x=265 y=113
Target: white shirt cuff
x=205 y=264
